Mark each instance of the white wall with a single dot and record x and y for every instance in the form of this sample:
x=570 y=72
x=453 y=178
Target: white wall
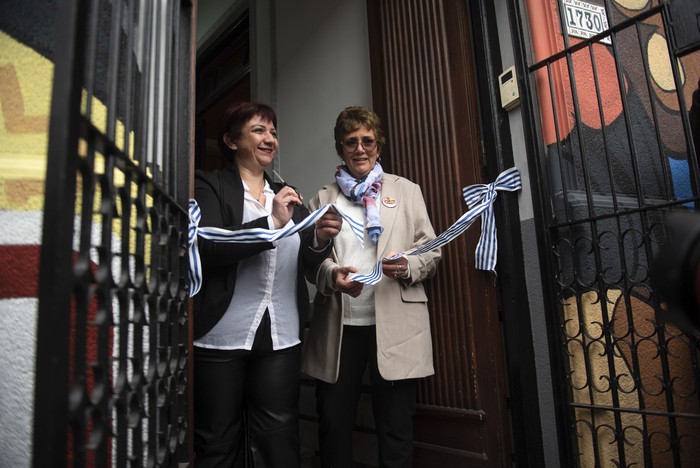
x=322 y=66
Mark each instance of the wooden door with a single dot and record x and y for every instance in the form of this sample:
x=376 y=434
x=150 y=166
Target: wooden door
x=424 y=86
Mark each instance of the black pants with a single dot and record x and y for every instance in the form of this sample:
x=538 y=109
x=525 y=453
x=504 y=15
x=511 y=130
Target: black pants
x=393 y=406
x=246 y=406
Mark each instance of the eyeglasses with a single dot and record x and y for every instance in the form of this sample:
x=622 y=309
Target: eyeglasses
x=367 y=143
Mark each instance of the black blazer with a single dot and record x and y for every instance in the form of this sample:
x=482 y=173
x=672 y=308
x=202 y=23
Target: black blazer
x=220 y=196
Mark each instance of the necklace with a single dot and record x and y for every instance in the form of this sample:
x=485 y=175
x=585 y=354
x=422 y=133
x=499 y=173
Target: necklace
x=260 y=194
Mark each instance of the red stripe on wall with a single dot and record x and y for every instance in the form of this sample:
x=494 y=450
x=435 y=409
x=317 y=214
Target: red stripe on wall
x=19 y=271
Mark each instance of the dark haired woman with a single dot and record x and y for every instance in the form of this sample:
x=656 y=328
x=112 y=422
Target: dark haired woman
x=250 y=313
x=385 y=327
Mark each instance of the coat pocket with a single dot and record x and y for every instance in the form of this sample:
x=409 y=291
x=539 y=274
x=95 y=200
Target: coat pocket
x=320 y=299
x=414 y=294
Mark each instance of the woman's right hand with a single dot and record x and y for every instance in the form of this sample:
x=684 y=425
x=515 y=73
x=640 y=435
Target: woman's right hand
x=283 y=206
x=344 y=284
x=328 y=227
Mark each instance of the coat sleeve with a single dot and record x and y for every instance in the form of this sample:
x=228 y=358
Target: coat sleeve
x=423 y=266
x=321 y=274
x=219 y=253
x=310 y=257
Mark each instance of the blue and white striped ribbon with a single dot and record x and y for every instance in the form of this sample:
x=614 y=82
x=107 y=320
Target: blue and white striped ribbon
x=374 y=277
x=248 y=236
x=195 y=270
x=479 y=198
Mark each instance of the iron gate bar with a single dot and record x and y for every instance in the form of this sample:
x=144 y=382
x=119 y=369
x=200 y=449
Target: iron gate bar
x=51 y=385
x=601 y=116
x=128 y=90
x=142 y=155
x=112 y=68
x=145 y=151
x=555 y=117
x=618 y=409
x=173 y=83
x=155 y=143
x=626 y=211
x=164 y=61
x=91 y=54
x=655 y=116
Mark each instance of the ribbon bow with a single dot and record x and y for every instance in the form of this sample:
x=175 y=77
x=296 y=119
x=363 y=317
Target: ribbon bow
x=479 y=198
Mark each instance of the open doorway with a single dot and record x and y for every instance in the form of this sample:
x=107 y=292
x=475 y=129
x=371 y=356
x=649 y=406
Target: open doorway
x=223 y=76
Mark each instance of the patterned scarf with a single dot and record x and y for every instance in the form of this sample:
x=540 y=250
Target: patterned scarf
x=364 y=192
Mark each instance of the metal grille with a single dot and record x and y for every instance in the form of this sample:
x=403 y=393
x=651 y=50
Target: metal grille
x=112 y=356
x=618 y=158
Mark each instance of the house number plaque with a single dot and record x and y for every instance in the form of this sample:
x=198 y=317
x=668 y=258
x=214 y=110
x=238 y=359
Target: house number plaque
x=585 y=19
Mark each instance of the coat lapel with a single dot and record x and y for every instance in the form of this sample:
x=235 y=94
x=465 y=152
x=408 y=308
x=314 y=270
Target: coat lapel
x=330 y=193
x=231 y=181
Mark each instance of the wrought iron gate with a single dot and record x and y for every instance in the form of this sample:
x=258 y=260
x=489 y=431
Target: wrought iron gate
x=619 y=156
x=112 y=342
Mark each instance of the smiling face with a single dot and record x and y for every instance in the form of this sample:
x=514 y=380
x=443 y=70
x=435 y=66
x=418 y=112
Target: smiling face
x=360 y=160
x=257 y=144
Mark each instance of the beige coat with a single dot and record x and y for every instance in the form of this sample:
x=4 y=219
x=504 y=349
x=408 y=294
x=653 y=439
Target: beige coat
x=404 y=344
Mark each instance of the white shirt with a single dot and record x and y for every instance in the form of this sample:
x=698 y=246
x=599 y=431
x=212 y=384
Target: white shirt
x=267 y=280
x=356 y=310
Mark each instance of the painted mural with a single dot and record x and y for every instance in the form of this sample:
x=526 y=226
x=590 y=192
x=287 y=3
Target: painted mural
x=618 y=146
x=26 y=74
x=117 y=207
x=26 y=80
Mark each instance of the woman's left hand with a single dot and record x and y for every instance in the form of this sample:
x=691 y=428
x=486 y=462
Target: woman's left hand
x=396 y=268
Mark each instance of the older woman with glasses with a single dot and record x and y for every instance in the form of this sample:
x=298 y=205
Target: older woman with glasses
x=383 y=327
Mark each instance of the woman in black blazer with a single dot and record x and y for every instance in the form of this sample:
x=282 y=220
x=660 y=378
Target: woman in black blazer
x=250 y=313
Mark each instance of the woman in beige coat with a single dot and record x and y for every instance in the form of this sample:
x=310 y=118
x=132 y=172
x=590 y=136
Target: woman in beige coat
x=385 y=327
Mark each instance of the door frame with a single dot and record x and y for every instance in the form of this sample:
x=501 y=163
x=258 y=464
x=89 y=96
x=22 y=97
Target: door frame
x=515 y=310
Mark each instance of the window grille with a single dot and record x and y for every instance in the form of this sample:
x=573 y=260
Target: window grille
x=618 y=158
x=112 y=340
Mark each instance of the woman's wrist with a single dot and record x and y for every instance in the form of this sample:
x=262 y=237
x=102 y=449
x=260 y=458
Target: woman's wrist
x=334 y=278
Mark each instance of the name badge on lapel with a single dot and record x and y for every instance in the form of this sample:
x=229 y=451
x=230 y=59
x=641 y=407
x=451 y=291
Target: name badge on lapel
x=389 y=202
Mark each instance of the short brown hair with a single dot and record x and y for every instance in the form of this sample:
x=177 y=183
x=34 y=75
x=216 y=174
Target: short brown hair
x=352 y=118
x=235 y=117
